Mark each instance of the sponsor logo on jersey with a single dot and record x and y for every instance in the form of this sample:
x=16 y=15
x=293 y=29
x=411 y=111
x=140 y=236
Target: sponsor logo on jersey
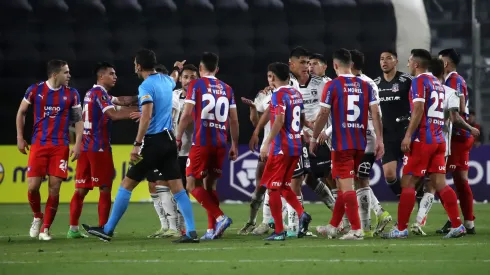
x=352 y=125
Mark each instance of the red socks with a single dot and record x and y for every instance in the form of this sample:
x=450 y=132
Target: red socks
x=338 y=210
x=50 y=211
x=275 y=205
x=104 y=207
x=405 y=207
x=292 y=200
x=35 y=203
x=205 y=199
x=352 y=209
x=451 y=205
x=211 y=219
x=76 y=206
x=465 y=198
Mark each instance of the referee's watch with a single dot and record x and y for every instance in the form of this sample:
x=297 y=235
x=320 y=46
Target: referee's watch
x=176 y=68
x=137 y=143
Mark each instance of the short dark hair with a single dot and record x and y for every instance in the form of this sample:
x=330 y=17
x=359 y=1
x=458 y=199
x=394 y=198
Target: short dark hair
x=279 y=69
x=423 y=55
x=146 y=59
x=343 y=55
x=452 y=54
x=391 y=51
x=100 y=66
x=210 y=61
x=190 y=67
x=160 y=68
x=357 y=59
x=319 y=56
x=54 y=66
x=436 y=67
x=299 y=52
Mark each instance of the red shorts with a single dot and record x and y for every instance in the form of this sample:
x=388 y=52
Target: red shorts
x=48 y=160
x=279 y=171
x=94 y=169
x=345 y=163
x=425 y=158
x=460 y=155
x=205 y=160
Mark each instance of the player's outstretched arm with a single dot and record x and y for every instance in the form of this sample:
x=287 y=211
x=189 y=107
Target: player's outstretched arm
x=20 y=123
x=121 y=113
x=459 y=122
x=416 y=116
x=378 y=129
x=125 y=100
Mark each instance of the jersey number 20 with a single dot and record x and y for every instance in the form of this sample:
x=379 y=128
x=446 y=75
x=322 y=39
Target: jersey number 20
x=221 y=104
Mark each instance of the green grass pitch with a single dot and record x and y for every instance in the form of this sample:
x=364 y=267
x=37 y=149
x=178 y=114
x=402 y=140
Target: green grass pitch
x=130 y=252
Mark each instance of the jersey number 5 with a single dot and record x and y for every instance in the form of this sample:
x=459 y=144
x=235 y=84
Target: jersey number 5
x=219 y=105
x=352 y=107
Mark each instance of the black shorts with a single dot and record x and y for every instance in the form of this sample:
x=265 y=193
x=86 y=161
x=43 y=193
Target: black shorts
x=303 y=166
x=364 y=169
x=393 y=152
x=158 y=156
x=321 y=163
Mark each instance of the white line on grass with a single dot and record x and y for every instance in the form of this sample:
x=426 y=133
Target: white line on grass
x=197 y=249
x=254 y=261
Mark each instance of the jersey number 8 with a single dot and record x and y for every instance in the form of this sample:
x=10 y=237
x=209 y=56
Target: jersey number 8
x=221 y=104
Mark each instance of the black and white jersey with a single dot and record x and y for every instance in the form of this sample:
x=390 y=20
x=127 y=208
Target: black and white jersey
x=394 y=102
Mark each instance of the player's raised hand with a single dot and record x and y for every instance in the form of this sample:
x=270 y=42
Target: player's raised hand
x=75 y=153
x=179 y=64
x=135 y=116
x=406 y=142
x=475 y=132
x=249 y=102
x=254 y=143
x=233 y=152
x=379 y=150
x=22 y=145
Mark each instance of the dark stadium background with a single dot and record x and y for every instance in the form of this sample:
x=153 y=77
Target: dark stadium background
x=247 y=35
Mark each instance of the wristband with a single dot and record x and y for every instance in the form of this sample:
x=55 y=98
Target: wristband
x=312 y=139
x=176 y=68
x=118 y=108
x=137 y=143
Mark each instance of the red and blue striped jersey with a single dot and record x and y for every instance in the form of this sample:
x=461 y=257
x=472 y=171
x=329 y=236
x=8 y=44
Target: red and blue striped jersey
x=212 y=100
x=51 y=112
x=348 y=97
x=426 y=88
x=457 y=82
x=96 y=126
x=287 y=101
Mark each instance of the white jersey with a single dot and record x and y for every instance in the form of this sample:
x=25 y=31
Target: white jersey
x=370 y=133
x=187 y=136
x=451 y=101
x=312 y=93
x=261 y=102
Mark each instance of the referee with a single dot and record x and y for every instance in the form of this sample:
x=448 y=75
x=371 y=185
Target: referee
x=154 y=148
x=394 y=88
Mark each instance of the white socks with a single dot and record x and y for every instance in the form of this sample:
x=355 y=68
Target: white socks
x=293 y=219
x=425 y=205
x=266 y=210
x=375 y=205
x=364 y=201
x=169 y=206
x=159 y=209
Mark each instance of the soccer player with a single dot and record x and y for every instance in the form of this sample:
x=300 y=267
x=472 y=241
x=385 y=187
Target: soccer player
x=461 y=143
x=349 y=99
x=393 y=88
x=55 y=106
x=95 y=167
x=425 y=147
x=159 y=150
x=282 y=149
x=210 y=103
x=318 y=65
x=451 y=119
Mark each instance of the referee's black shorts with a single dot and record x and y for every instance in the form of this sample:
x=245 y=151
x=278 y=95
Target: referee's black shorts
x=158 y=156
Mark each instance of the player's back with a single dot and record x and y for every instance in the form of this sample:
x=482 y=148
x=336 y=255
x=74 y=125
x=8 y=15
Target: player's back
x=97 y=127
x=212 y=99
x=349 y=98
x=51 y=109
x=287 y=101
x=426 y=88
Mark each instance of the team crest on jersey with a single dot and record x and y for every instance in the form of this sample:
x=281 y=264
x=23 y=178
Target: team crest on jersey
x=395 y=88
x=65 y=98
x=314 y=92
